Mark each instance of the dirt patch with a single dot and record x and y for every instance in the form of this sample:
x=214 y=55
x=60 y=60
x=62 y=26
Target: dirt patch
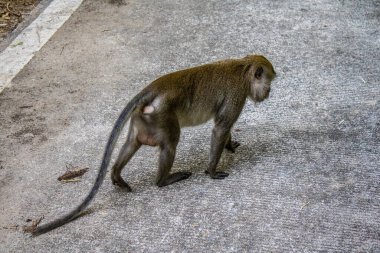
x=12 y=12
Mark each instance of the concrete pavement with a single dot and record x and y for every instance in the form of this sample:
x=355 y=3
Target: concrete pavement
x=305 y=179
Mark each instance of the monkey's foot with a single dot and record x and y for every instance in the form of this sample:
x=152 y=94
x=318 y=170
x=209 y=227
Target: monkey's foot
x=172 y=178
x=218 y=174
x=121 y=183
x=231 y=146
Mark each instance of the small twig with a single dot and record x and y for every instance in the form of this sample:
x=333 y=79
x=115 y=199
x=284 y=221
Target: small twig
x=13 y=227
x=305 y=205
x=8 y=7
x=12 y=12
x=20 y=43
x=69 y=166
x=361 y=78
x=38 y=33
x=63 y=47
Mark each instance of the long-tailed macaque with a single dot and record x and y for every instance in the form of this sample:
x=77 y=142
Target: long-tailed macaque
x=184 y=98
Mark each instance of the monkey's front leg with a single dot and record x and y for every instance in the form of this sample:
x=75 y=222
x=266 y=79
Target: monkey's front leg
x=219 y=138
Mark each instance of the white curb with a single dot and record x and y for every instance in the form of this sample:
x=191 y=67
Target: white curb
x=33 y=37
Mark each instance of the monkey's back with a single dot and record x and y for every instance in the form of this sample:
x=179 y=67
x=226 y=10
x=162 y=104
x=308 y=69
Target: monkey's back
x=195 y=94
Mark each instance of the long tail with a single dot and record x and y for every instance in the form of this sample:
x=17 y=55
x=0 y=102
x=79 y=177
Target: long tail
x=123 y=118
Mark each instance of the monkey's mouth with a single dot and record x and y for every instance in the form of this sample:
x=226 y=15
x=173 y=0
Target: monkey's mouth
x=267 y=94
x=261 y=97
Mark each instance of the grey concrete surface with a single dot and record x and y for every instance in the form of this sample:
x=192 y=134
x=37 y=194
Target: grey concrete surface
x=305 y=179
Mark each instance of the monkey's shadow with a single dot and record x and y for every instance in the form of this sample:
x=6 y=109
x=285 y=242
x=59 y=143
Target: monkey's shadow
x=251 y=151
x=195 y=159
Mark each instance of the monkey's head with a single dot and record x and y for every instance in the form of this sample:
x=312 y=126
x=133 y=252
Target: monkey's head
x=259 y=74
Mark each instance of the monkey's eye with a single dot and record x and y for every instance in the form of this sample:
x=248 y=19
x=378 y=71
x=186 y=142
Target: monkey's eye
x=259 y=73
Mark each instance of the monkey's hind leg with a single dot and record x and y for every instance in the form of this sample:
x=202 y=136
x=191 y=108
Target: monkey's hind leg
x=167 y=154
x=127 y=151
x=231 y=145
x=165 y=163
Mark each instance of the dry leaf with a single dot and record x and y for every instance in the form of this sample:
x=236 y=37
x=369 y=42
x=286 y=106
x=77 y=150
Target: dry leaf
x=72 y=173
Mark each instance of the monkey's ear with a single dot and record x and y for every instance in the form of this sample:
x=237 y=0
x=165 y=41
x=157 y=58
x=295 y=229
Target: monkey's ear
x=259 y=73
